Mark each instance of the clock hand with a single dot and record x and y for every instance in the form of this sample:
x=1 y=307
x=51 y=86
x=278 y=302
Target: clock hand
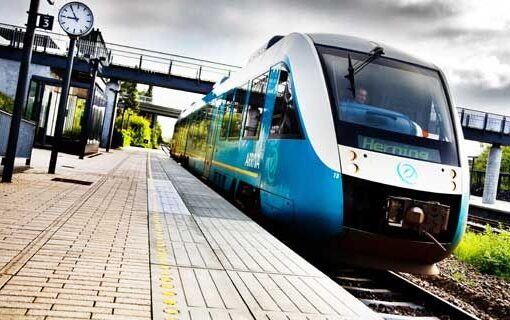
x=70 y=18
x=74 y=14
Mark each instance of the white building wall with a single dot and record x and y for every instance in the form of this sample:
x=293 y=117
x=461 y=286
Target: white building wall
x=9 y=75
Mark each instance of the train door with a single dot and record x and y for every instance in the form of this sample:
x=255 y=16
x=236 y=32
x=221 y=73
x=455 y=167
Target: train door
x=212 y=136
x=283 y=165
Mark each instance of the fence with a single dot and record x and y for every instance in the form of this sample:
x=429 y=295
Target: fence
x=120 y=55
x=478 y=180
x=480 y=120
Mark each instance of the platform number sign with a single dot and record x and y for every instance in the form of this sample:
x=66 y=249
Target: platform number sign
x=45 y=22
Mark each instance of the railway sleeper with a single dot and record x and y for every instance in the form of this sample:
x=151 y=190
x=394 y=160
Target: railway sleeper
x=393 y=303
x=402 y=317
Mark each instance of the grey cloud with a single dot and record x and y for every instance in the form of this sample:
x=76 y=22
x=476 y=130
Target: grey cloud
x=480 y=98
x=503 y=55
x=392 y=9
x=423 y=10
x=462 y=34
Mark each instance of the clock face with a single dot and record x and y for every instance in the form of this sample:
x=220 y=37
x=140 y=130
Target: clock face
x=76 y=18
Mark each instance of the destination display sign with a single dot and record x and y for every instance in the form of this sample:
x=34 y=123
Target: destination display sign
x=399 y=149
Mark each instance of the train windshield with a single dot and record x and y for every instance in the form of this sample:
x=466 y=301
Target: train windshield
x=390 y=107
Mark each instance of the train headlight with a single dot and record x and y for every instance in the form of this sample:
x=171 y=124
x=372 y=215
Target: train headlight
x=353 y=168
x=352 y=155
x=453 y=174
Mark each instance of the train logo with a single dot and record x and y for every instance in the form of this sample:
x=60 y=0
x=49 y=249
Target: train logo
x=407 y=173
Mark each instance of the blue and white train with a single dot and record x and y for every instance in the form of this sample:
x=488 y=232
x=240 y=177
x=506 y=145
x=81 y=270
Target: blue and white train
x=341 y=140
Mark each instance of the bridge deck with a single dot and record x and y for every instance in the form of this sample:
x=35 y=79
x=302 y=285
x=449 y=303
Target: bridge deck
x=146 y=240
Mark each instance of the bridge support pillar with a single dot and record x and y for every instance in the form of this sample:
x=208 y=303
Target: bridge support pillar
x=154 y=120
x=112 y=90
x=490 y=188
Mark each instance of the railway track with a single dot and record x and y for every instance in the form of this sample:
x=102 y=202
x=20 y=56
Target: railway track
x=394 y=297
x=480 y=217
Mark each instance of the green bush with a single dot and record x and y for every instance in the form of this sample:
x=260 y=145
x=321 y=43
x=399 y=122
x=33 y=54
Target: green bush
x=481 y=160
x=135 y=131
x=488 y=251
x=140 y=131
x=157 y=138
x=6 y=103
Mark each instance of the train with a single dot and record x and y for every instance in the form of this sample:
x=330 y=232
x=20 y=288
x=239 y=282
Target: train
x=344 y=141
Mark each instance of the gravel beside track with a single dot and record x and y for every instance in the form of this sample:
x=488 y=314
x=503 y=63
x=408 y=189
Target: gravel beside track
x=488 y=297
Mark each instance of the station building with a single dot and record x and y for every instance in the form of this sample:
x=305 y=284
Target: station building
x=82 y=130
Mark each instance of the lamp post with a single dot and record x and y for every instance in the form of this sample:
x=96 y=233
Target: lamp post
x=21 y=92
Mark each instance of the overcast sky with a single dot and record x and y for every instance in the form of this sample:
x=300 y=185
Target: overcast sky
x=469 y=39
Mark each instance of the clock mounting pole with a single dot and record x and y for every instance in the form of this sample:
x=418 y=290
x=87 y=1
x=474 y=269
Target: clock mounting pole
x=79 y=24
x=59 y=127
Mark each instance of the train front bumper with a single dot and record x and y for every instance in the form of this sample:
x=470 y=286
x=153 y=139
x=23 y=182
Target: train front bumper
x=379 y=251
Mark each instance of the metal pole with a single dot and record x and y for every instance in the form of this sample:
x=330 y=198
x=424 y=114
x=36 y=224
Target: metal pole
x=21 y=92
x=112 y=122
x=88 y=108
x=59 y=127
x=154 y=120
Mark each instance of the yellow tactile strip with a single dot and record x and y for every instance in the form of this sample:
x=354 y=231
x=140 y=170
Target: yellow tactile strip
x=165 y=279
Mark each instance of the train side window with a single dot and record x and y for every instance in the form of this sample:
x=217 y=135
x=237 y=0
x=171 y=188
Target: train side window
x=285 y=119
x=253 y=115
x=205 y=121
x=226 y=114
x=237 y=112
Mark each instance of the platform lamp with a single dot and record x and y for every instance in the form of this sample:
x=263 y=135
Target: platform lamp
x=77 y=20
x=20 y=99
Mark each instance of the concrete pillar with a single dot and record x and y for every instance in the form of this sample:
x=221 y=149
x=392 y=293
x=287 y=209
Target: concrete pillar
x=112 y=89
x=154 y=120
x=490 y=188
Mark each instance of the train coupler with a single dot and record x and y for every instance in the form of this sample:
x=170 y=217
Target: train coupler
x=423 y=216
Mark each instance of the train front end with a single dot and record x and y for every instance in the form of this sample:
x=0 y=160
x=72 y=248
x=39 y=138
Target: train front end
x=404 y=182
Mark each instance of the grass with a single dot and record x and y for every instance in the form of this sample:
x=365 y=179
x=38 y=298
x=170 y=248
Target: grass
x=489 y=252
x=6 y=103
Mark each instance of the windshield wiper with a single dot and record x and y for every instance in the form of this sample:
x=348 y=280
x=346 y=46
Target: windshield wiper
x=353 y=70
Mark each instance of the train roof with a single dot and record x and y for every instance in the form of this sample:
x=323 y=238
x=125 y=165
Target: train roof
x=326 y=39
x=364 y=45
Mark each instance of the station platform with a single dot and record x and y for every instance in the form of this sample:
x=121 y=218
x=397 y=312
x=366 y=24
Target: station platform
x=500 y=206
x=147 y=240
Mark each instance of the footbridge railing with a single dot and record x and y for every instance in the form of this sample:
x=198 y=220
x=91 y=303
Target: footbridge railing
x=150 y=61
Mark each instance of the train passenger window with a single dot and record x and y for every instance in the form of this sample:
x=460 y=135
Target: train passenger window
x=253 y=115
x=194 y=131
x=203 y=126
x=237 y=112
x=285 y=121
x=226 y=114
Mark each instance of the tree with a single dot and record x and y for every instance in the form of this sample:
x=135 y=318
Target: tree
x=130 y=95
x=481 y=160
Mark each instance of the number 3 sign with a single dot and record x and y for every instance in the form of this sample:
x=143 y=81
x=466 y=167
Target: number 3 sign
x=45 y=22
